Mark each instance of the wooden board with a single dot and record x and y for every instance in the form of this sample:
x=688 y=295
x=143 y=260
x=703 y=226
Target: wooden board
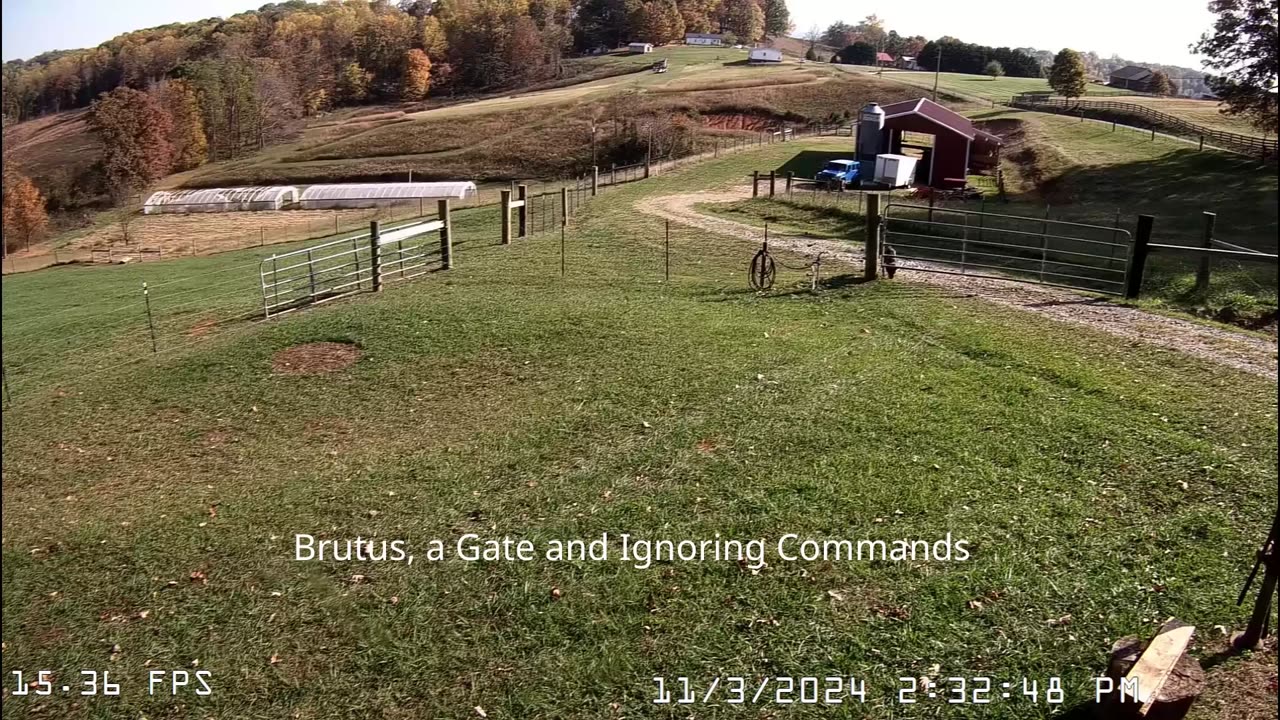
x=1156 y=664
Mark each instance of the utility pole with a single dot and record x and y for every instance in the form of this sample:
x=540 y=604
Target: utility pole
x=936 y=70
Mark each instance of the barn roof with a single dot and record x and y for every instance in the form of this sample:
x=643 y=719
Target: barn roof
x=938 y=115
x=884 y=57
x=1132 y=72
x=705 y=36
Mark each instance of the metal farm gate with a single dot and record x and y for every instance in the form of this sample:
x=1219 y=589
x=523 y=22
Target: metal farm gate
x=1006 y=247
x=339 y=268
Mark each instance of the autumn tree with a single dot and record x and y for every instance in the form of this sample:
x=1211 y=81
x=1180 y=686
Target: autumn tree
x=1160 y=84
x=1242 y=44
x=1067 y=75
x=839 y=34
x=24 y=213
x=417 y=75
x=190 y=145
x=134 y=130
x=994 y=69
x=871 y=31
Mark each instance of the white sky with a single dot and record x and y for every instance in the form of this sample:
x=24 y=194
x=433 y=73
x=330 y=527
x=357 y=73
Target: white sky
x=1139 y=30
x=1158 y=31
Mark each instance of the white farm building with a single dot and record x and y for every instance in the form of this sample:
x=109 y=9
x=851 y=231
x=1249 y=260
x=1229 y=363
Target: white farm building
x=761 y=55
x=703 y=39
x=640 y=47
x=220 y=199
x=365 y=195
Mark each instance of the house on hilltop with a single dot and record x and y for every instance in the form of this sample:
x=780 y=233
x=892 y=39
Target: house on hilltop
x=703 y=39
x=1131 y=77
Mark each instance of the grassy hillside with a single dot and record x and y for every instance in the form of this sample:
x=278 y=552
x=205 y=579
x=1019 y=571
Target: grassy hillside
x=149 y=515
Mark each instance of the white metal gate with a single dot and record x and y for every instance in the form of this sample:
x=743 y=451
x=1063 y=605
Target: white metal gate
x=955 y=241
x=339 y=268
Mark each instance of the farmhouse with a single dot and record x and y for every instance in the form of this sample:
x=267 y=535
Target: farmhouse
x=703 y=39
x=906 y=62
x=640 y=47
x=958 y=147
x=884 y=59
x=1131 y=77
x=761 y=56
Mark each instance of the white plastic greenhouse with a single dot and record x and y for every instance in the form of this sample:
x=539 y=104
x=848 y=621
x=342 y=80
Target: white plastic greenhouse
x=365 y=195
x=220 y=199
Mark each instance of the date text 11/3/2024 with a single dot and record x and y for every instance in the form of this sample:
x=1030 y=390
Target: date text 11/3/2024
x=839 y=690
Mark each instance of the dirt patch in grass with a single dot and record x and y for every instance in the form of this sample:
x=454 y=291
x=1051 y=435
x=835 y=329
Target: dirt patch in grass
x=316 y=358
x=1241 y=688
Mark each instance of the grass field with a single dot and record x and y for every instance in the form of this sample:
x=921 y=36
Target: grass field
x=149 y=514
x=983 y=86
x=1201 y=112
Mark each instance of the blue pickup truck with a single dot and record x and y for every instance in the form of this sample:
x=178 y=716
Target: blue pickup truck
x=838 y=174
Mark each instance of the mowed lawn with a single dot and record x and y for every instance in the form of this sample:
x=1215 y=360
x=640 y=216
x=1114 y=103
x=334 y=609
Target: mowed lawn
x=1104 y=487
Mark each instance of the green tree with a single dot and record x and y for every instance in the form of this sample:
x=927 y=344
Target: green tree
x=994 y=69
x=24 y=214
x=1067 y=76
x=1242 y=44
x=744 y=19
x=353 y=83
x=1160 y=84
x=859 y=53
x=417 y=75
x=134 y=131
x=777 y=19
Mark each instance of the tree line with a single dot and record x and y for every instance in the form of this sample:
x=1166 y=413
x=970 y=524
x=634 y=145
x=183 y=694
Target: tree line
x=344 y=52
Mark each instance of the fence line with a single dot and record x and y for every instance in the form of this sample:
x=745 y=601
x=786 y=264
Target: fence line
x=1250 y=145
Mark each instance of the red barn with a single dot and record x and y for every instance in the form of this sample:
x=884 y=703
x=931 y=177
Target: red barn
x=958 y=147
x=884 y=59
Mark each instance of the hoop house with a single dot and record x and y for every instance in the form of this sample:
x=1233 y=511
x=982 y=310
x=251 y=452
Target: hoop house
x=220 y=199
x=366 y=195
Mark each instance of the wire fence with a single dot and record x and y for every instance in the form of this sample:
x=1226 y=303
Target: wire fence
x=173 y=311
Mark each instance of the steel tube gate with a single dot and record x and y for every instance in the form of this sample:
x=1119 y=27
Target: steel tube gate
x=953 y=241
x=339 y=268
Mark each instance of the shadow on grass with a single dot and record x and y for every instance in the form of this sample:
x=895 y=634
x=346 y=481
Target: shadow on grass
x=807 y=163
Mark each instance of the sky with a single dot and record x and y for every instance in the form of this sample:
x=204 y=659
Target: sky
x=1139 y=30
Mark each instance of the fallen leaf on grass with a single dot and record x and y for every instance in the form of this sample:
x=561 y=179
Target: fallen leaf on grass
x=480 y=711
x=556 y=593
x=198 y=576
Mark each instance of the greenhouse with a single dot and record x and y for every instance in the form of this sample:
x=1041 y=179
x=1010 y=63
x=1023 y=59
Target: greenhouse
x=220 y=199
x=366 y=195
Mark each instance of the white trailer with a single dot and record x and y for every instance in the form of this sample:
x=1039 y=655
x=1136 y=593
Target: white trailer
x=895 y=170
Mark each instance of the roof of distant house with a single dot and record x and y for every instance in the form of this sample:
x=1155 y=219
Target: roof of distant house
x=707 y=36
x=939 y=115
x=884 y=57
x=1131 y=72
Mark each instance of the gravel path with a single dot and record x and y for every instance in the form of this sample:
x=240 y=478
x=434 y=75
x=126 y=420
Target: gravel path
x=1236 y=350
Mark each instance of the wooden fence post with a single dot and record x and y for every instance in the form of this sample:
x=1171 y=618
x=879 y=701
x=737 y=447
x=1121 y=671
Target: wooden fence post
x=790 y=176
x=522 y=194
x=646 y=168
x=773 y=178
x=1206 y=241
x=446 y=234
x=564 y=206
x=871 y=244
x=1138 y=257
x=506 y=216
x=755 y=183
x=595 y=180
x=375 y=257
x=613 y=173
